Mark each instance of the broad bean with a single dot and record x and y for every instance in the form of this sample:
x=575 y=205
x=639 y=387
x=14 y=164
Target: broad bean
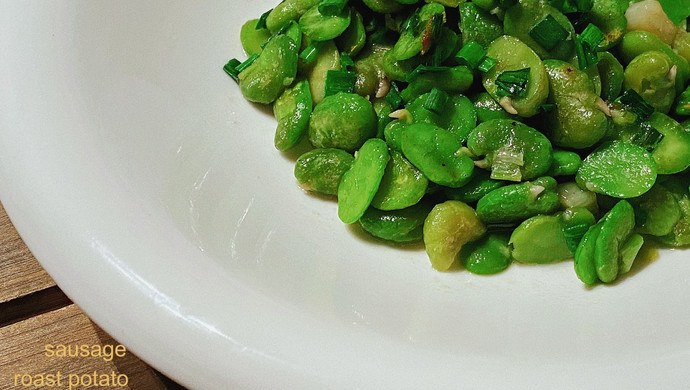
x=619 y=169
x=320 y=170
x=489 y=255
x=516 y=202
x=437 y=153
x=403 y=225
x=402 y=185
x=448 y=227
x=360 y=183
x=513 y=150
x=512 y=54
x=266 y=78
x=344 y=121
x=578 y=121
x=292 y=110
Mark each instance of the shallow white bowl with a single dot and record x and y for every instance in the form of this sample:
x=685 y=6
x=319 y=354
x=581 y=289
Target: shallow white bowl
x=151 y=192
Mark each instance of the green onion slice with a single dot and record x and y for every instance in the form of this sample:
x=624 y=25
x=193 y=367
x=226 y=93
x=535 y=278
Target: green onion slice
x=340 y=81
x=548 y=32
x=513 y=83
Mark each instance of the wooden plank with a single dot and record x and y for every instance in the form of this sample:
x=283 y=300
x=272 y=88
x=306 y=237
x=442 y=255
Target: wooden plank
x=20 y=273
x=25 y=358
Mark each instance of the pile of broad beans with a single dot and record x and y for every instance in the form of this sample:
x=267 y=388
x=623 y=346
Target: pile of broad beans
x=495 y=131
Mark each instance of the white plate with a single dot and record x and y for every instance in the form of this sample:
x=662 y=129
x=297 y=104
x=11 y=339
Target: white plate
x=150 y=190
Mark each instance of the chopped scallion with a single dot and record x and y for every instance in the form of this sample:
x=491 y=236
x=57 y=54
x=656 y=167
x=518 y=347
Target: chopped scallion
x=246 y=63
x=471 y=55
x=586 y=46
x=507 y=163
x=261 y=23
x=332 y=7
x=310 y=52
x=487 y=64
x=421 y=69
x=340 y=81
x=592 y=35
x=436 y=101
x=393 y=96
x=648 y=137
x=513 y=83
x=231 y=68
x=637 y=104
x=565 y=6
x=346 y=62
x=548 y=32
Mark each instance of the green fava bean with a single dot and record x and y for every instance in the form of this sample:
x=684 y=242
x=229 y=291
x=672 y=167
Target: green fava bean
x=656 y=212
x=609 y=247
x=403 y=225
x=448 y=227
x=609 y=16
x=360 y=183
x=252 y=38
x=319 y=27
x=487 y=108
x=437 y=153
x=383 y=6
x=649 y=74
x=480 y=185
x=344 y=121
x=572 y=196
x=682 y=44
x=478 y=25
x=683 y=105
x=585 y=269
x=371 y=77
x=398 y=70
x=383 y=110
x=616 y=229
x=517 y=202
x=327 y=59
x=619 y=169
x=265 y=79
x=286 y=11
x=513 y=150
x=417 y=35
x=672 y=153
x=540 y=240
x=574 y=223
x=512 y=54
x=487 y=256
x=457 y=79
x=353 y=39
x=392 y=133
x=486 y=5
x=457 y=115
x=292 y=110
x=680 y=236
x=520 y=18
x=611 y=75
x=565 y=163
x=635 y=43
x=320 y=170
x=577 y=122
x=402 y=185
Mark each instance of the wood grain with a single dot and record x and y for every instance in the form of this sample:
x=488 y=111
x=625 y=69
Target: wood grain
x=24 y=353
x=35 y=313
x=20 y=273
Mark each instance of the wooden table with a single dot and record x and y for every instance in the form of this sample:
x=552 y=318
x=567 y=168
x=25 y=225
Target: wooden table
x=35 y=315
